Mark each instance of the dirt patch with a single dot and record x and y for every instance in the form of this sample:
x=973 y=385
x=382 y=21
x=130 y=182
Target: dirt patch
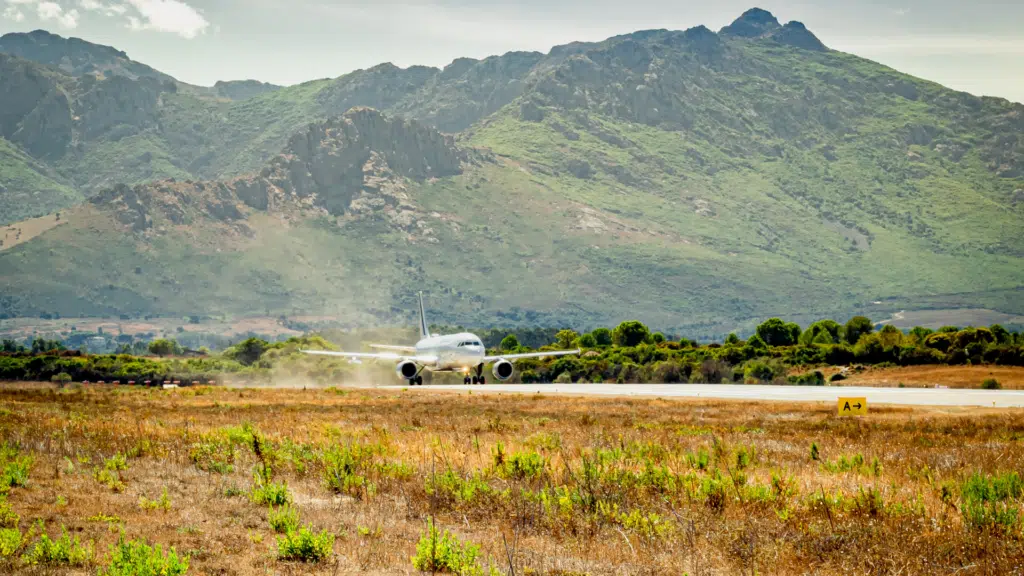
x=1009 y=377
x=20 y=232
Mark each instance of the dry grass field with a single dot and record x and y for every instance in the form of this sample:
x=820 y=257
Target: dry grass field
x=523 y=484
x=1009 y=377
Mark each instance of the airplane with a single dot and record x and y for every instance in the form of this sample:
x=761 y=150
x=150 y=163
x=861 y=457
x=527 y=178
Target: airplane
x=461 y=352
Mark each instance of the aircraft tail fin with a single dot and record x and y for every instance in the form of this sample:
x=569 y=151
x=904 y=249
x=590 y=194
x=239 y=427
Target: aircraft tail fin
x=424 y=333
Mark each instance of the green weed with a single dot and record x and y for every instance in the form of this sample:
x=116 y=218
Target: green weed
x=64 y=551
x=116 y=462
x=163 y=503
x=284 y=519
x=305 y=545
x=8 y=517
x=136 y=558
x=987 y=500
x=443 y=552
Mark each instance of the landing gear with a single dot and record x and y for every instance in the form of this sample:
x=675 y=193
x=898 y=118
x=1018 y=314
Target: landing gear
x=479 y=378
x=416 y=380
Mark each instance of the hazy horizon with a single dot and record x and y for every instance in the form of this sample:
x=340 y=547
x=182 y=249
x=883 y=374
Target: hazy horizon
x=976 y=48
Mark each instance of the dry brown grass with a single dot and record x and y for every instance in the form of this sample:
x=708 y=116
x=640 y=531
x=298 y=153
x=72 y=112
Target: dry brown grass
x=1010 y=377
x=21 y=232
x=756 y=531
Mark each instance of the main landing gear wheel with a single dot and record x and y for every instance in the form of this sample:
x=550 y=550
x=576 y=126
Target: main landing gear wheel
x=416 y=381
x=479 y=378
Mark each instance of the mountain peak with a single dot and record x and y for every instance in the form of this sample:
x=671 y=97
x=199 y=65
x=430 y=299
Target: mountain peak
x=74 y=56
x=796 y=34
x=752 y=24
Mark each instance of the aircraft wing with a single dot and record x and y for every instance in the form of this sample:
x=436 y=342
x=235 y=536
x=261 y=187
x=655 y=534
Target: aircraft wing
x=511 y=357
x=395 y=348
x=376 y=356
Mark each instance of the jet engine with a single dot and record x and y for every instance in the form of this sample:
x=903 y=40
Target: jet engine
x=406 y=370
x=502 y=370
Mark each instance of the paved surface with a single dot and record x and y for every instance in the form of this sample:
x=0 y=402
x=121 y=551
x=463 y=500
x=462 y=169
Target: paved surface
x=900 y=396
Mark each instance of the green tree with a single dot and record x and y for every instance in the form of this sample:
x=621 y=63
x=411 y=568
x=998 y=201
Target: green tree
x=565 y=338
x=823 y=337
x=1002 y=335
x=755 y=342
x=249 y=351
x=12 y=346
x=857 y=327
x=164 y=347
x=921 y=333
x=602 y=336
x=891 y=336
x=775 y=332
x=586 y=341
x=41 y=345
x=509 y=342
x=657 y=338
x=732 y=339
x=813 y=334
x=630 y=333
x=949 y=329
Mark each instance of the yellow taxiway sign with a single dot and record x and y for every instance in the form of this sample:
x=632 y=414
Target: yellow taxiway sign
x=853 y=406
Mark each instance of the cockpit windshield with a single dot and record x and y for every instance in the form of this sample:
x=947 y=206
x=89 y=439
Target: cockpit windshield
x=470 y=343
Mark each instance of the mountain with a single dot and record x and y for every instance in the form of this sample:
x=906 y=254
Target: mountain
x=75 y=56
x=692 y=179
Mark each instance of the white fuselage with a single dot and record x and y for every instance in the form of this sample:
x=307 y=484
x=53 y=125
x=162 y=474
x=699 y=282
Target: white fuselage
x=454 y=352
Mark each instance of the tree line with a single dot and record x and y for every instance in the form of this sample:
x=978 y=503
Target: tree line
x=629 y=352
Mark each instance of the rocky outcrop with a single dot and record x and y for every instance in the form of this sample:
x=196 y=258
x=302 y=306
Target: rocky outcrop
x=758 y=23
x=753 y=23
x=118 y=101
x=350 y=165
x=796 y=34
x=242 y=89
x=34 y=109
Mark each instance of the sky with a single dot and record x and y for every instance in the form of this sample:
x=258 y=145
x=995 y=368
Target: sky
x=976 y=46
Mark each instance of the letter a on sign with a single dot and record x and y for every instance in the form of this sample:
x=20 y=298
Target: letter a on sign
x=853 y=406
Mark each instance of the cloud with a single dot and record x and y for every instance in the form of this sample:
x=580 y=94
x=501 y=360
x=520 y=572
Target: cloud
x=107 y=9
x=53 y=11
x=12 y=13
x=167 y=16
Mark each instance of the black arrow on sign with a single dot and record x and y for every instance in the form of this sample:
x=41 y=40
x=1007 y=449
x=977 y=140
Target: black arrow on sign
x=857 y=405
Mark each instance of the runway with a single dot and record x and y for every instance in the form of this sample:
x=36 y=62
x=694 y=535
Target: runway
x=892 y=396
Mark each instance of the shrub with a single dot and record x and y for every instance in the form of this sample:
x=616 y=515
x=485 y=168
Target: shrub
x=10 y=541
x=264 y=492
x=986 y=501
x=116 y=462
x=345 y=468
x=305 y=546
x=8 y=517
x=284 y=519
x=60 y=552
x=164 y=503
x=524 y=465
x=15 y=472
x=838 y=376
x=991 y=384
x=445 y=553
x=564 y=378
x=136 y=558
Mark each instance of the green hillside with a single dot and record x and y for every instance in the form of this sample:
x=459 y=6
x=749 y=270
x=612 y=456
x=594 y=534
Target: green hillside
x=29 y=188
x=694 y=180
